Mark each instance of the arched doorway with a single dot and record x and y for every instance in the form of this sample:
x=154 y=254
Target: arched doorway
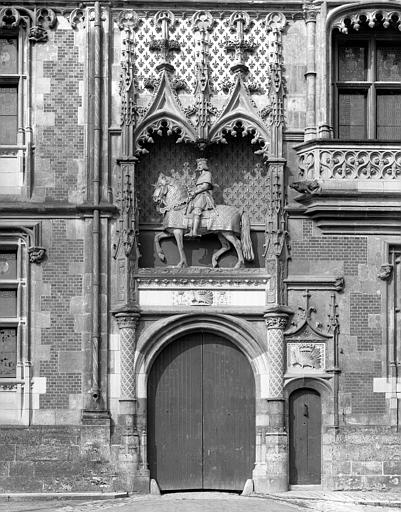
x=305 y=413
x=201 y=415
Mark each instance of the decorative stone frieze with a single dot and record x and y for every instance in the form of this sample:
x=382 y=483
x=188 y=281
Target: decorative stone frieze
x=37 y=21
x=371 y=17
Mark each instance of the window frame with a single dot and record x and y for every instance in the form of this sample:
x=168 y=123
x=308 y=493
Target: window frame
x=19 y=384
x=370 y=85
x=18 y=155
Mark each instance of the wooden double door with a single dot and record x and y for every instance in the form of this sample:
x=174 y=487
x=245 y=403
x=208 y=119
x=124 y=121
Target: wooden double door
x=201 y=415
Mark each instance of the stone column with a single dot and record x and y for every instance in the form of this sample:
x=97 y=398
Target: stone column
x=310 y=13
x=276 y=436
x=127 y=319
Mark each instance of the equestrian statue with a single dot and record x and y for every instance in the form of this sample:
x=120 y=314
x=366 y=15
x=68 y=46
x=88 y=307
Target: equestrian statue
x=194 y=213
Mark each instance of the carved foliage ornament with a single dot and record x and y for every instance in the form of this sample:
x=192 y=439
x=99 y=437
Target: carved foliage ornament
x=128 y=22
x=37 y=21
x=126 y=198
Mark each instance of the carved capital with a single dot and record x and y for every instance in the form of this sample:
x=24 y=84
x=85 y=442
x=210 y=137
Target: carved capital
x=127 y=319
x=385 y=272
x=36 y=254
x=276 y=320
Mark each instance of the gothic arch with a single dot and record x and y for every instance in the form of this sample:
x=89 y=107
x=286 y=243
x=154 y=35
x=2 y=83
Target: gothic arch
x=236 y=330
x=322 y=386
x=164 y=115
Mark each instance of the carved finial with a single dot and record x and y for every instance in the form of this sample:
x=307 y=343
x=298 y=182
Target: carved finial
x=128 y=20
x=164 y=21
x=240 y=22
x=202 y=21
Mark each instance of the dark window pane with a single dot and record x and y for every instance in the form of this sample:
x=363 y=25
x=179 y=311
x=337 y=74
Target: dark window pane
x=8 y=352
x=8 y=265
x=8 y=56
x=389 y=63
x=352 y=63
x=352 y=115
x=8 y=115
x=8 y=303
x=388 y=115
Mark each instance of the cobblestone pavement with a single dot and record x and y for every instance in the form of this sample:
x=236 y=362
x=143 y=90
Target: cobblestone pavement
x=198 y=502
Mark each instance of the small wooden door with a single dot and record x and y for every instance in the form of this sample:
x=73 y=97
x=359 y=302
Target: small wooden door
x=201 y=415
x=305 y=437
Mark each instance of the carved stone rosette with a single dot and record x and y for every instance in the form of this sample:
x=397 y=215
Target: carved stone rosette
x=276 y=323
x=127 y=321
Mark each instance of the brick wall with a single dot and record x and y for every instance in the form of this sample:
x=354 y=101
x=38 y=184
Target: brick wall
x=61 y=335
x=349 y=249
x=62 y=142
x=361 y=306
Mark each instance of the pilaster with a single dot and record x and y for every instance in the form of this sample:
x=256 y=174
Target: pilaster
x=275 y=449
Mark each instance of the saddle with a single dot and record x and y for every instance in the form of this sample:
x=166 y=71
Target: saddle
x=205 y=223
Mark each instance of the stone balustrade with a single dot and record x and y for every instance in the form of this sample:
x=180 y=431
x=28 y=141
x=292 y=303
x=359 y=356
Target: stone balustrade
x=323 y=160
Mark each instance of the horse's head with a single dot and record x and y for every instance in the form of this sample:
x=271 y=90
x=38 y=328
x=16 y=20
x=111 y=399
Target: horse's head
x=169 y=192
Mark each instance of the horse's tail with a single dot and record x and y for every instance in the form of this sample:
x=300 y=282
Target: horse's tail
x=246 y=242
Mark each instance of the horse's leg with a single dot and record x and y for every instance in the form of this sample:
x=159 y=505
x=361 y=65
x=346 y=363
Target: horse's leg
x=178 y=233
x=225 y=246
x=158 y=238
x=237 y=245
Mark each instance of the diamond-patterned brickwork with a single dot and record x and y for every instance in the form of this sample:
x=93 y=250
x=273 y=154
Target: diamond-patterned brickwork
x=127 y=347
x=275 y=350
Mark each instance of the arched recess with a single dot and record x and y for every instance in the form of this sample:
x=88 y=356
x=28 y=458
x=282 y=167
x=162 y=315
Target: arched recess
x=351 y=17
x=240 y=332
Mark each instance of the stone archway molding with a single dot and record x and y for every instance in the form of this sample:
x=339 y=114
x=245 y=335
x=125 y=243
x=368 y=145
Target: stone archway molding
x=320 y=385
x=238 y=331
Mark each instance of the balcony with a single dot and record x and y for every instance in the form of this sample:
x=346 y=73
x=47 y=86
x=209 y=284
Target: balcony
x=350 y=185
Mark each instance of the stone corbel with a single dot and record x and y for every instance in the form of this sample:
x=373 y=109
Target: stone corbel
x=36 y=254
x=386 y=271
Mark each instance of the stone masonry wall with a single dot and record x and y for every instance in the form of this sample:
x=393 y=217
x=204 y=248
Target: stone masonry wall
x=55 y=459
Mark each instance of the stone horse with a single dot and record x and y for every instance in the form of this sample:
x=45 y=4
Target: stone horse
x=229 y=223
